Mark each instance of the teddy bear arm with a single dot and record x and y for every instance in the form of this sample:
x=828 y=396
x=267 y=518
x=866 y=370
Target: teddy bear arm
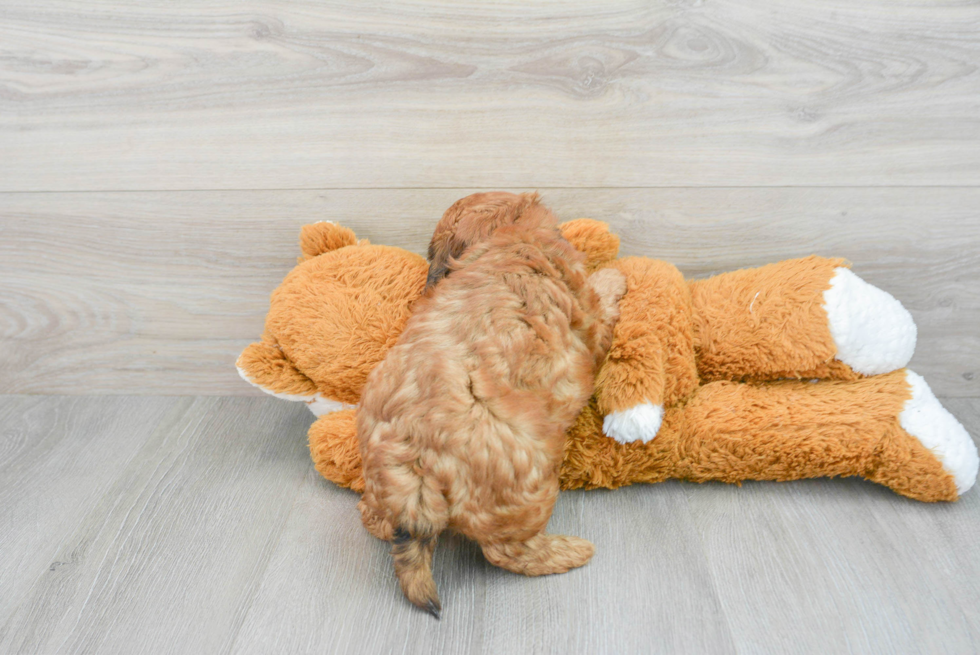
x=632 y=404
x=265 y=365
x=654 y=334
x=632 y=374
x=651 y=362
x=592 y=238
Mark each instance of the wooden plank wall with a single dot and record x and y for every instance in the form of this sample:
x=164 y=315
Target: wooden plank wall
x=157 y=160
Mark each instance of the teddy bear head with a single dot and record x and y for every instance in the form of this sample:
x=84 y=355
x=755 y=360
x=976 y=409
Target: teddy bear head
x=342 y=307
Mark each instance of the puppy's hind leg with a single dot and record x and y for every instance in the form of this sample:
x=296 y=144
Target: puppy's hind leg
x=542 y=554
x=375 y=522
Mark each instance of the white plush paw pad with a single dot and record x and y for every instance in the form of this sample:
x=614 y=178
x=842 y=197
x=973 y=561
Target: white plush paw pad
x=927 y=420
x=873 y=333
x=638 y=423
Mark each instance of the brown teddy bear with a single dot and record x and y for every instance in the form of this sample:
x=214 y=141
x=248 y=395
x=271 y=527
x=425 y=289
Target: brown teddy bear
x=792 y=370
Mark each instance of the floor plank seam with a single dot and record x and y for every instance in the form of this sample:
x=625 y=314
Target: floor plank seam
x=260 y=577
x=133 y=525
x=714 y=580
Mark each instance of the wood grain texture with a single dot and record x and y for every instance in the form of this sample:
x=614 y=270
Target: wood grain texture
x=167 y=557
x=158 y=159
x=58 y=457
x=308 y=94
x=596 y=609
x=204 y=528
x=329 y=587
x=158 y=292
x=844 y=564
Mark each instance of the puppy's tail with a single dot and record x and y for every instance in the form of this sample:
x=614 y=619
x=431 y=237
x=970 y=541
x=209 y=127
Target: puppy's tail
x=412 y=553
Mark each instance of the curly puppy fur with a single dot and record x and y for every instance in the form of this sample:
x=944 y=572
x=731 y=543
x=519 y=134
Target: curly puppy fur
x=462 y=426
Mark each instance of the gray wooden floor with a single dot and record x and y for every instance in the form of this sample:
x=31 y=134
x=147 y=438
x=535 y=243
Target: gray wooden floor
x=157 y=160
x=198 y=525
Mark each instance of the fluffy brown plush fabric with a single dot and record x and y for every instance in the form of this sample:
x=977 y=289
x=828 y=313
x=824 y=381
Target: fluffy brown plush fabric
x=706 y=349
x=463 y=424
x=353 y=301
x=652 y=358
x=767 y=323
x=338 y=460
x=787 y=430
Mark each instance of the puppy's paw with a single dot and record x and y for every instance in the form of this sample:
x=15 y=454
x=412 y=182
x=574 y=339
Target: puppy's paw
x=610 y=285
x=375 y=523
x=638 y=423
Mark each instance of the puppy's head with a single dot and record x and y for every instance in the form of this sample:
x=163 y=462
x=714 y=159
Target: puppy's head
x=473 y=219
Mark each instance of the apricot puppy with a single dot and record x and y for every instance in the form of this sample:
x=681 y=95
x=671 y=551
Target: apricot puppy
x=462 y=426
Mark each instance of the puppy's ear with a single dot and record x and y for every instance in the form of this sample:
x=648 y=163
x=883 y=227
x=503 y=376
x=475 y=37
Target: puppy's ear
x=471 y=220
x=443 y=247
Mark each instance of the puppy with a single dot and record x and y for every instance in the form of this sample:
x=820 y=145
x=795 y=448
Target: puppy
x=462 y=426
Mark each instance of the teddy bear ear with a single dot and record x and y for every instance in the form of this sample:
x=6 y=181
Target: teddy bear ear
x=592 y=238
x=318 y=238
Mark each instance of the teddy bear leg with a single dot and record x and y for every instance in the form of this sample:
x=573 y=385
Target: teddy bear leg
x=335 y=451
x=889 y=429
x=928 y=433
x=872 y=332
x=337 y=457
x=803 y=318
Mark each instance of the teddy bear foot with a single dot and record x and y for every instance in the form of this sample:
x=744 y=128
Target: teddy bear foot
x=638 y=423
x=873 y=332
x=927 y=420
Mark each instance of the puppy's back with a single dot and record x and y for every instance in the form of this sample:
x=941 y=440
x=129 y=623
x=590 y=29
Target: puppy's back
x=463 y=423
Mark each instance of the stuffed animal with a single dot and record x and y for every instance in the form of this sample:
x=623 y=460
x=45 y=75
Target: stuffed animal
x=792 y=370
